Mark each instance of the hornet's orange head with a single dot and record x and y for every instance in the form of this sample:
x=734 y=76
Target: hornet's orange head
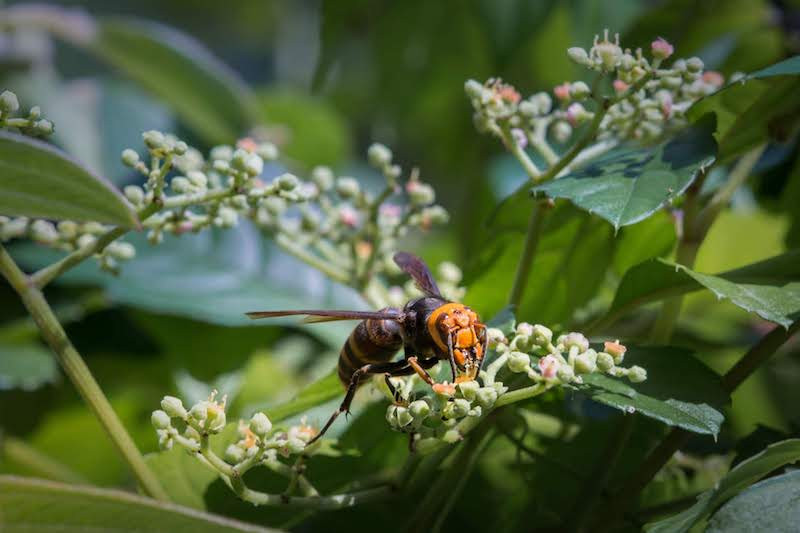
x=457 y=327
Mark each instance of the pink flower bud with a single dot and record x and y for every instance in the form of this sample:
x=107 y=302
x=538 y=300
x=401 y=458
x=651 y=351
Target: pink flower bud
x=348 y=216
x=666 y=105
x=184 y=227
x=712 y=77
x=247 y=143
x=548 y=366
x=575 y=114
x=661 y=48
x=562 y=91
x=620 y=86
x=391 y=210
x=615 y=350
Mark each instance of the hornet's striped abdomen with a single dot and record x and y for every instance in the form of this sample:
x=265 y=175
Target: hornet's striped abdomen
x=372 y=341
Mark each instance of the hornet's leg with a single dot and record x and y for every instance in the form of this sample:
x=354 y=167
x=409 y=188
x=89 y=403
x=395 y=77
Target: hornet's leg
x=485 y=347
x=421 y=366
x=375 y=368
x=452 y=356
x=401 y=372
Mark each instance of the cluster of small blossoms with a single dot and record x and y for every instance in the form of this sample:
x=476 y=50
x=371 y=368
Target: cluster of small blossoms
x=530 y=351
x=258 y=441
x=647 y=98
x=33 y=124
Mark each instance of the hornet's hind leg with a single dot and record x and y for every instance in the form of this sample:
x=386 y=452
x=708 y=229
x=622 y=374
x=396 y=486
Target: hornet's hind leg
x=397 y=368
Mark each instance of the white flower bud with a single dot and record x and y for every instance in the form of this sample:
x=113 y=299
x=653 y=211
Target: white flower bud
x=288 y=182
x=322 y=177
x=605 y=362
x=124 y=251
x=486 y=396
x=562 y=131
x=452 y=436
x=494 y=337
x=68 y=229
x=197 y=178
x=154 y=140
x=694 y=64
x=35 y=113
x=518 y=362
x=199 y=411
x=419 y=409
x=180 y=185
x=160 y=419
x=234 y=454
x=579 y=90
x=130 y=157
x=468 y=389
x=260 y=425
x=43 y=127
x=456 y=409
x=420 y=193
x=542 y=336
x=253 y=165
x=135 y=194
x=44 y=232
x=524 y=329
x=347 y=187
x=173 y=407
x=436 y=214
x=637 y=374
x=474 y=89
x=221 y=153
x=449 y=272
x=86 y=240
x=267 y=151
x=398 y=416
x=565 y=373
x=164 y=439
x=579 y=56
x=226 y=217
x=379 y=155
x=586 y=362
x=8 y=102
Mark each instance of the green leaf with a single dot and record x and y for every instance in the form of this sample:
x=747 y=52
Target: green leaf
x=628 y=185
x=754 y=110
x=316 y=132
x=26 y=366
x=504 y=320
x=744 y=474
x=323 y=390
x=768 y=288
x=38 y=180
x=786 y=67
x=207 y=95
x=679 y=390
x=36 y=505
x=771 y=505
x=182 y=476
x=214 y=276
x=653 y=237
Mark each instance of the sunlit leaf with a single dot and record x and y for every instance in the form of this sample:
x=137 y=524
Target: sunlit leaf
x=321 y=391
x=679 y=391
x=26 y=366
x=768 y=288
x=36 y=505
x=787 y=67
x=38 y=180
x=627 y=185
x=741 y=476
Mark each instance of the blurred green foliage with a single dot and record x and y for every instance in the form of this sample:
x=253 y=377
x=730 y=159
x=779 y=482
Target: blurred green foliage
x=327 y=78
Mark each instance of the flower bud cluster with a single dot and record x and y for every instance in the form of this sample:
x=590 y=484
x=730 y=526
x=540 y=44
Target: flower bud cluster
x=647 y=100
x=32 y=124
x=259 y=442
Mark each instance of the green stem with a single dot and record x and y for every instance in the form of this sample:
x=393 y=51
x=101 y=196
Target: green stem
x=79 y=373
x=517 y=151
x=676 y=438
x=522 y=394
x=528 y=254
x=292 y=248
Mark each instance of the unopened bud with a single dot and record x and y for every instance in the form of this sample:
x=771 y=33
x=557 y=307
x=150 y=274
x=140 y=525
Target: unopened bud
x=420 y=193
x=468 y=389
x=419 y=409
x=562 y=131
x=605 y=361
x=548 y=366
x=574 y=339
x=180 y=185
x=288 y=182
x=173 y=407
x=135 y=194
x=449 y=272
x=153 y=139
x=474 y=89
x=8 y=102
x=452 y=436
x=486 y=396
x=253 y=165
x=579 y=90
x=322 y=177
x=160 y=419
x=518 y=362
x=542 y=335
x=456 y=409
x=234 y=453
x=616 y=350
x=565 y=373
x=494 y=337
x=347 y=187
x=130 y=157
x=661 y=49
x=562 y=92
x=379 y=155
x=267 y=151
x=694 y=64
x=586 y=362
x=637 y=374
x=43 y=127
x=579 y=56
x=260 y=425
